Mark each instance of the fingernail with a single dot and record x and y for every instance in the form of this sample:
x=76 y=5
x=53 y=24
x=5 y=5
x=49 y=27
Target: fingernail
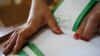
x=77 y=36
x=59 y=30
x=85 y=39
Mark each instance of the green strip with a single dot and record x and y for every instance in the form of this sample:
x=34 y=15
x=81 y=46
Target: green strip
x=53 y=10
x=83 y=13
x=35 y=49
x=22 y=53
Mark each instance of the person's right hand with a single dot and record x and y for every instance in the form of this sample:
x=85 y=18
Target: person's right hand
x=90 y=25
x=40 y=15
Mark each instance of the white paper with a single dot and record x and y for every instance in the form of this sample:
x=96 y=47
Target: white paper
x=64 y=45
x=51 y=44
x=68 y=12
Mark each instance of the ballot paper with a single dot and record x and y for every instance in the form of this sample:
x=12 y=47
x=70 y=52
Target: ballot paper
x=69 y=14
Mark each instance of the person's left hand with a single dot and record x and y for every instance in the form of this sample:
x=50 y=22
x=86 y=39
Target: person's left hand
x=90 y=25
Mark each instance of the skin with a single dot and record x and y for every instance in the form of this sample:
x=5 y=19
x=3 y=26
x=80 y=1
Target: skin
x=39 y=16
x=90 y=24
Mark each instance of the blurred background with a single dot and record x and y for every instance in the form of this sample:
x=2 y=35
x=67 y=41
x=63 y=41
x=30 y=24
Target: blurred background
x=14 y=11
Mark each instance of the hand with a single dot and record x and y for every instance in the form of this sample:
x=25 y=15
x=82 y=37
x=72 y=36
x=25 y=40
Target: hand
x=90 y=25
x=39 y=16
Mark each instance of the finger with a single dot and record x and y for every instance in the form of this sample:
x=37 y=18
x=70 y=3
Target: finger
x=20 y=42
x=22 y=36
x=80 y=30
x=52 y=22
x=11 y=44
x=91 y=27
x=8 y=35
x=78 y=33
x=11 y=35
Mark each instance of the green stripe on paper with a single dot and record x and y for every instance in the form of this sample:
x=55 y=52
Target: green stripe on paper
x=83 y=13
x=35 y=49
x=22 y=53
x=53 y=10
